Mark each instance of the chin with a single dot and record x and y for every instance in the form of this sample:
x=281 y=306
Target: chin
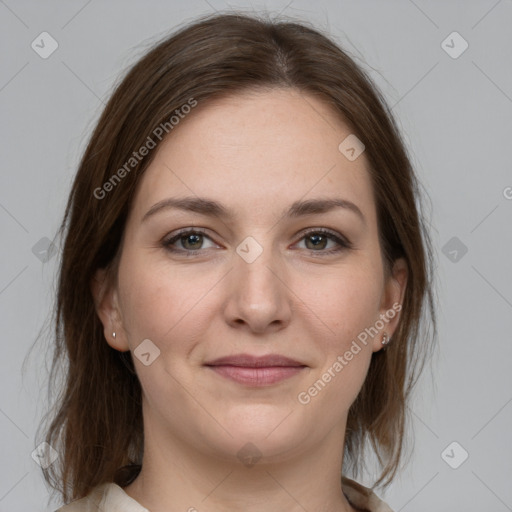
x=271 y=436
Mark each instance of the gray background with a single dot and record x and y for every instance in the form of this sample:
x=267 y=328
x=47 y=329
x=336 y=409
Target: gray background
x=456 y=116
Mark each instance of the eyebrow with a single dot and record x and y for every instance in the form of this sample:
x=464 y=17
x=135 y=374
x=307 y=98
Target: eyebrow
x=204 y=206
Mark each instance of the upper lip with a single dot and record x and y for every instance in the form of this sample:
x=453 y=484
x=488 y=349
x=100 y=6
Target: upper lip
x=250 y=361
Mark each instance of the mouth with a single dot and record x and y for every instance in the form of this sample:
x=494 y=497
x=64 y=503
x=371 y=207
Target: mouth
x=256 y=371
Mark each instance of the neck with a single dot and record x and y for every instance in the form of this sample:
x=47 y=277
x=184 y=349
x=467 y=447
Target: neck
x=176 y=476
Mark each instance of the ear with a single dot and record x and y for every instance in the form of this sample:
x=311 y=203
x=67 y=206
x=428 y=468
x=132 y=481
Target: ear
x=106 y=303
x=391 y=303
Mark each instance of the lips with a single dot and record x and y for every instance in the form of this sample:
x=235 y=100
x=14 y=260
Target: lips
x=256 y=371
x=250 y=361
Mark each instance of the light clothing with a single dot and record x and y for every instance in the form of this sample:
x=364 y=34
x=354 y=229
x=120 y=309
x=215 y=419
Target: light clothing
x=110 y=497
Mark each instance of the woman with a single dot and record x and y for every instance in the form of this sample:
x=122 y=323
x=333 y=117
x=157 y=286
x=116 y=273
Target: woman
x=244 y=282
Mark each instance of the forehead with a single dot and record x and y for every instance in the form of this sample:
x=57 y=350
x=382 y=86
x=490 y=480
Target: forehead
x=257 y=152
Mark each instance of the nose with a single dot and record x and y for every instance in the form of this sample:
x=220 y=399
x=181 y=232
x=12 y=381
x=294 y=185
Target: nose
x=258 y=296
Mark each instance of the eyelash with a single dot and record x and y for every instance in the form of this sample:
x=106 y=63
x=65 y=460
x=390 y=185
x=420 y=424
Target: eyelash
x=344 y=244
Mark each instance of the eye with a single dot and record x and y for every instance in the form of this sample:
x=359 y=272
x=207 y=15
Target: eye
x=191 y=240
x=317 y=240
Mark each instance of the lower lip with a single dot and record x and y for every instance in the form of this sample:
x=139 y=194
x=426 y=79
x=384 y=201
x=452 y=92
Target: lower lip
x=257 y=376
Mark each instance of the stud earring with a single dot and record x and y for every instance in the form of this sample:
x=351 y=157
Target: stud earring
x=114 y=335
x=385 y=339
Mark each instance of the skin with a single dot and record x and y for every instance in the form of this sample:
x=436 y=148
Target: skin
x=256 y=153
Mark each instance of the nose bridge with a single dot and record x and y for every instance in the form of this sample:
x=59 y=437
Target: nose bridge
x=255 y=264
x=258 y=296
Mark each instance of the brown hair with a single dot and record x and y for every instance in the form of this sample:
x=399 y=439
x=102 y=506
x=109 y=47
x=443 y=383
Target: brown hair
x=96 y=424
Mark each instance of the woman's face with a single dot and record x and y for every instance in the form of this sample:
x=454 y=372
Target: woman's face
x=258 y=278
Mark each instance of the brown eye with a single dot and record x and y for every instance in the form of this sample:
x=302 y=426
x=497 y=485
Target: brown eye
x=192 y=241
x=318 y=240
x=187 y=241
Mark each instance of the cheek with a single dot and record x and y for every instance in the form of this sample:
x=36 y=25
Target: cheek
x=352 y=307
x=148 y=304
x=151 y=298
x=163 y=302
x=346 y=300
x=347 y=307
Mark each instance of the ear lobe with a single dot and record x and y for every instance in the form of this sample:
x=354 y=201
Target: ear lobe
x=107 y=309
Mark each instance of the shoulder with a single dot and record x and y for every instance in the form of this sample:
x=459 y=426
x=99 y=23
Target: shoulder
x=112 y=498
x=363 y=497
x=107 y=497
x=89 y=503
